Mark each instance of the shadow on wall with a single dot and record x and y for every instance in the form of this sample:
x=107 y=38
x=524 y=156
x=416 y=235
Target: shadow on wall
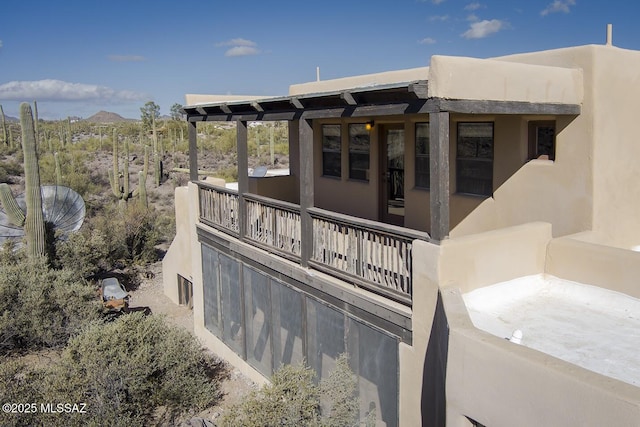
x=435 y=368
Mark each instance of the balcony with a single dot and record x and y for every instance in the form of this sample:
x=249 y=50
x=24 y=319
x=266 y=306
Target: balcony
x=368 y=254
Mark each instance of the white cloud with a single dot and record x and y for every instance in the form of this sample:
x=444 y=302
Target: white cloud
x=238 y=42
x=472 y=18
x=240 y=47
x=473 y=6
x=242 y=51
x=479 y=30
x=427 y=40
x=57 y=90
x=127 y=58
x=558 y=6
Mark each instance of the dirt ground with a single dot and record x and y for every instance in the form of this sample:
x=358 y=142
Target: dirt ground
x=233 y=386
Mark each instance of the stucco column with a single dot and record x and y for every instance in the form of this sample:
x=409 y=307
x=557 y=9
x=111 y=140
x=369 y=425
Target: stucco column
x=243 y=177
x=439 y=174
x=305 y=138
x=193 y=150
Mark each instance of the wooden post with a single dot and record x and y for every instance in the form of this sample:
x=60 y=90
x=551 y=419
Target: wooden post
x=193 y=151
x=305 y=132
x=243 y=174
x=439 y=174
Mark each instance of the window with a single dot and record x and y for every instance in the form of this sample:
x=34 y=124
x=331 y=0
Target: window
x=185 y=292
x=331 y=150
x=359 y=152
x=422 y=155
x=542 y=140
x=474 y=160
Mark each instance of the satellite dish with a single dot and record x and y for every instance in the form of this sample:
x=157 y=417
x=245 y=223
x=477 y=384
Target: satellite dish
x=61 y=206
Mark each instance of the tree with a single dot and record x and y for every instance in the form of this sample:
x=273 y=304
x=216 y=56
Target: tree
x=149 y=114
x=176 y=114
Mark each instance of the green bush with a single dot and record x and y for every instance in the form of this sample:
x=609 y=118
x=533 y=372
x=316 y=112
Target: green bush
x=133 y=370
x=42 y=308
x=20 y=383
x=9 y=169
x=117 y=238
x=293 y=399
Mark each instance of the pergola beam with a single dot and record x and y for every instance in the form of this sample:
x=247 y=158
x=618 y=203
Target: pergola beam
x=347 y=97
x=256 y=105
x=296 y=103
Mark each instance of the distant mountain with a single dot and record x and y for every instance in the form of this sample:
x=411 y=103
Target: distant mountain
x=10 y=119
x=107 y=117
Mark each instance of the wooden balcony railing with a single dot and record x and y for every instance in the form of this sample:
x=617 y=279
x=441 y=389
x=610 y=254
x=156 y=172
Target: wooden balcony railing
x=369 y=254
x=373 y=255
x=273 y=224
x=219 y=208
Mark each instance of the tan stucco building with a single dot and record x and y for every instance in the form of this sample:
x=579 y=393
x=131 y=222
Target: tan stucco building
x=410 y=194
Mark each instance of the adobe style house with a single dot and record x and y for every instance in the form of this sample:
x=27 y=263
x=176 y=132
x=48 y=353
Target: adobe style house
x=418 y=201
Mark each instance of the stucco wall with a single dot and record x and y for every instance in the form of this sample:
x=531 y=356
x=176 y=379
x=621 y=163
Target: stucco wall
x=502 y=81
x=595 y=264
x=560 y=192
x=275 y=187
x=502 y=384
x=177 y=260
x=365 y=80
x=482 y=259
x=606 y=132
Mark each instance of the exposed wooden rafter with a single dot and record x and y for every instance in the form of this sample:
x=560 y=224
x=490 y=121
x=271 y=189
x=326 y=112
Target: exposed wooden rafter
x=256 y=105
x=419 y=89
x=348 y=98
x=296 y=103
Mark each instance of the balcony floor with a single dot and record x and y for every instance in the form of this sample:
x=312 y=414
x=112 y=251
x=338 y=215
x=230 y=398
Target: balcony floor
x=588 y=326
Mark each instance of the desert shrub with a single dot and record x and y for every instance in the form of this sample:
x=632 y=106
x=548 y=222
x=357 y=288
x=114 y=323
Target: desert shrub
x=42 y=307
x=132 y=370
x=9 y=169
x=88 y=252
x=293 y=399
x=20 y=383
x=338 y=391
x=117 y=238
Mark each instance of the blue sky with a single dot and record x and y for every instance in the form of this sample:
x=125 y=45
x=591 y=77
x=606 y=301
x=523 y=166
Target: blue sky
x=79 y=57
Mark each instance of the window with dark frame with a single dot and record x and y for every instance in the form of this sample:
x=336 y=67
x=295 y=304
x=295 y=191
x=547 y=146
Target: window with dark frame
x=542 y=139
x=474 y=158
x=422 y=156
x=331 y=150
x=359 y=143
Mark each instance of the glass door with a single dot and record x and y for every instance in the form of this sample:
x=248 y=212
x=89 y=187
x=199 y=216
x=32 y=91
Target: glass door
x=393 y=174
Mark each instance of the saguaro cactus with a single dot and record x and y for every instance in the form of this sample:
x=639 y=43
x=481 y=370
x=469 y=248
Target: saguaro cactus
x=4 y=127
x=57 y=168
x=121 y=191
x=33 y=221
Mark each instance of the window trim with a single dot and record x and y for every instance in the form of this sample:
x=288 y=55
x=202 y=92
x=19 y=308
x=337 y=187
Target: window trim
x=337 y=153
x=368 y=152
x=422 y=155
x=475 y=159
x=534 y=125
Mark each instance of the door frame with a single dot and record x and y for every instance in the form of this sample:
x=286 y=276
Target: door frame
x=384 y=215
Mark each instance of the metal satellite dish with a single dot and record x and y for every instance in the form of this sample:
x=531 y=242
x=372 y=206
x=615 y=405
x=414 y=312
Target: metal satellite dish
x=61 y=206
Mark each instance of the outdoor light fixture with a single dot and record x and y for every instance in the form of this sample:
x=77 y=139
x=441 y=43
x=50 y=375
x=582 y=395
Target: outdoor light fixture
x=368 y=125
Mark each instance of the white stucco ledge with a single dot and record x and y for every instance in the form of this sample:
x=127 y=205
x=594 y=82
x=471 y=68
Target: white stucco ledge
x=365 y=80
x=591 y=327
x=202 y=99
x=503 y=81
